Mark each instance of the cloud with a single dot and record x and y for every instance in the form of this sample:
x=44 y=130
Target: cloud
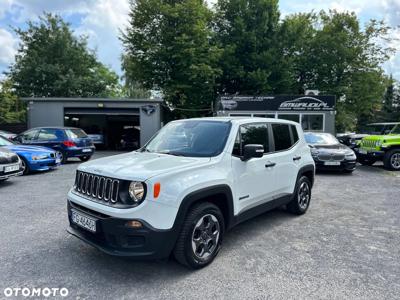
x=8 y=47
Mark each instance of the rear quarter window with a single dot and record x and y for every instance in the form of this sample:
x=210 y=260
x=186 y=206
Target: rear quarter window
x=76 y=133
x=282 y=138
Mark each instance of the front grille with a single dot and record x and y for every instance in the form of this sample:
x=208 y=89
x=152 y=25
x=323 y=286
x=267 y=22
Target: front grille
x=9 y=159
x=369 y=144
x=97 y=187
x=330 y=157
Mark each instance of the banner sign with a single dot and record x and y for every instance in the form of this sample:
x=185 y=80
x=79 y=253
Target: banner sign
x=277 y=103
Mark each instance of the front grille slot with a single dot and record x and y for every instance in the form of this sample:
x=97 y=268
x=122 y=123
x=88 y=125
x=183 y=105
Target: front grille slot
x=330 y=157
x=97 y=187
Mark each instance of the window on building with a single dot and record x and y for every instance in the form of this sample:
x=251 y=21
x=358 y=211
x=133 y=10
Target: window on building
x=312 y=122
x=290 y=117
x=282 y=137
x=240 y=115
x=251 y=134
x=264 y=116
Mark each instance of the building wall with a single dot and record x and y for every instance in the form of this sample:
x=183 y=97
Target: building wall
x=51 y=113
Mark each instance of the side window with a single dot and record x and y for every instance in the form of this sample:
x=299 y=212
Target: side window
x=251 y=134
x=47 y=134
x=29 y=135
x=295 y=134
x=282 y=137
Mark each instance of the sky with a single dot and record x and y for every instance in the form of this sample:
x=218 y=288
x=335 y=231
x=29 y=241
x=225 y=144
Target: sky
x=103 y=20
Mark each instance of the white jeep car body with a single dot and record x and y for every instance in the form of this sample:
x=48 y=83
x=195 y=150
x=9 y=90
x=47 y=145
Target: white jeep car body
x=239 y=188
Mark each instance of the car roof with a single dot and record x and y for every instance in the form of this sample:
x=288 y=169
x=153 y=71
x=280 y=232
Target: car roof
x=54 y=127
x=242 y=120
x=385 y=123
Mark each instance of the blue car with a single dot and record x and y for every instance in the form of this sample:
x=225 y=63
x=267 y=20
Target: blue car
x=68 y=141
x=33 y=158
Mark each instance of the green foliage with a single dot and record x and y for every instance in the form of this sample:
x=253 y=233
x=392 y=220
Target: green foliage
x=168 y=48
x=51 y=62
x=11 y=108
x=252 y=60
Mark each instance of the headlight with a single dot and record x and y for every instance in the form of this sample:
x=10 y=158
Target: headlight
x=39 y=157
x=350 y=155
x=378 y=143
x=136 y=191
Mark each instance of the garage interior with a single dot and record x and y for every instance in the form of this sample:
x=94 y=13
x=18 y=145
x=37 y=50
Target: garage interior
x=119 y=128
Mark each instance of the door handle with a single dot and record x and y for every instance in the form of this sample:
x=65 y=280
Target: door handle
x=270 y=164
x=296 y=158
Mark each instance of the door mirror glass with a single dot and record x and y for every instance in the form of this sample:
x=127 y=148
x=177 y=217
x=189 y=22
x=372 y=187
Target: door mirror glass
x=252 y=151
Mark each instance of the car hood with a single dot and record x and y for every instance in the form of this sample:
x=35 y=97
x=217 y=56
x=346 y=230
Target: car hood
x=337 y=148
x=31 y=149
x=140 y=165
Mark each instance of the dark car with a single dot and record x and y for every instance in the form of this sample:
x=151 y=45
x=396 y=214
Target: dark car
x=10 y=164
x=351 y=139
x=129 y=139
x=329 y=154
x=68 y=141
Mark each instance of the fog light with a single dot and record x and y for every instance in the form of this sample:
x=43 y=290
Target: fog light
x=133 y=224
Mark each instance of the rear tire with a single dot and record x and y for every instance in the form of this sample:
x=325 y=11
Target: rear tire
x=201 y=236
x=366 y=161
x=302 y=197
x=391 y=160
x=84 y=158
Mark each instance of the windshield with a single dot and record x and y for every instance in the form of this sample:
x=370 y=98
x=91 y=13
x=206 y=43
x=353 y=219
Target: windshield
x=378 y=129
x=320 y=139
x=5 y=142
x=190 y=138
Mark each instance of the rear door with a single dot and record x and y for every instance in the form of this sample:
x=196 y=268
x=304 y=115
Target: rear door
x=253 y=179
x=286 y=156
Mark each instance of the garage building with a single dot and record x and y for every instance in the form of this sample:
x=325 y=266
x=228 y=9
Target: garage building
x=313 y=112
x=112 y=118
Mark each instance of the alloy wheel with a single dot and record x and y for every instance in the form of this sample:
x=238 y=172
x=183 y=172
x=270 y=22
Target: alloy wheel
x=23 y=166
x=303 y=195
x=395 y=161
x=205 y=236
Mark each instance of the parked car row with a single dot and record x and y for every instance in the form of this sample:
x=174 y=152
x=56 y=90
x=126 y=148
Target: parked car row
x=41 y=149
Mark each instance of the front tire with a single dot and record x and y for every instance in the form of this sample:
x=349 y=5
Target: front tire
x=301 y=200
x=200 y=239
x=391 y=160
x=25 y=167
x=85 y=158
x=365 y=161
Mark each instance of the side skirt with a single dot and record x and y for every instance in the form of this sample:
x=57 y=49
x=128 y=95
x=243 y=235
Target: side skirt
x=260 y=209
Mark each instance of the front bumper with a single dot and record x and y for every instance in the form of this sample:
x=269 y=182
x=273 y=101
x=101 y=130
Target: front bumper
x=345 y=165
x=43 y=165
x=369 y=153
x=114 y=238
x=9 y=175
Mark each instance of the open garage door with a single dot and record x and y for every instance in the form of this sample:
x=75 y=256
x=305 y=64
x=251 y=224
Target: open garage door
x=113 y=129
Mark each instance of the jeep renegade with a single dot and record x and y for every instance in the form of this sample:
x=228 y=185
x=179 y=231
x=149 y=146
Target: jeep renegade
x=193 y=181
x=384 y=147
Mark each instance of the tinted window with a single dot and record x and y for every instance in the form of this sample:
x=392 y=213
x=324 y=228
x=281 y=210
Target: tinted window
x=76 y=133
x=281 y=136
x=29 y=135
x=251 y=134
x=295 y=134
x=49 y=134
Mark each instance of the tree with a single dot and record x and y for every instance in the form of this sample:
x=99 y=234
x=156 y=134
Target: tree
x=51 y=62
x=389 y=97
x=252 y=61
x=168 y=48
x=11 y=109
x=336 y=56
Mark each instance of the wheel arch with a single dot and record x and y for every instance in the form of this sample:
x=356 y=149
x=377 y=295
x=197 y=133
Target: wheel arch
x=219 y=195
x=308 y=171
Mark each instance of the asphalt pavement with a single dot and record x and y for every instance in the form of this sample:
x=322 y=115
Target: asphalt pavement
x=347 y=246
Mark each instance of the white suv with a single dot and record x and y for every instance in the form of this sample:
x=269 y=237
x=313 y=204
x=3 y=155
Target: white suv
x=194 y=180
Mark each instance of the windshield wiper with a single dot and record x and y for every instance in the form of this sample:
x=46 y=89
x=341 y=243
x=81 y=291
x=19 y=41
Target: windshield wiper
x=171 y=153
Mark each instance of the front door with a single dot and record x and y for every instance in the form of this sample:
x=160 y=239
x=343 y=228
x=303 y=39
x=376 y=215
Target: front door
x=253 y=179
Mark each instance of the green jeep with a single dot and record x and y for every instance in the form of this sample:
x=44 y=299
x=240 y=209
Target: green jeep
x=384 y=146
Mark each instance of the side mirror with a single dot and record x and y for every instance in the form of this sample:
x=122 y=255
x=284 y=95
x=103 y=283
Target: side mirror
x=252 y=151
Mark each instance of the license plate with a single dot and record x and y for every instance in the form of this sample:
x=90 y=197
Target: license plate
x=362 y=151
x=83 y=221
x=332 y=163
x=86 y=150
x=11 y=168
